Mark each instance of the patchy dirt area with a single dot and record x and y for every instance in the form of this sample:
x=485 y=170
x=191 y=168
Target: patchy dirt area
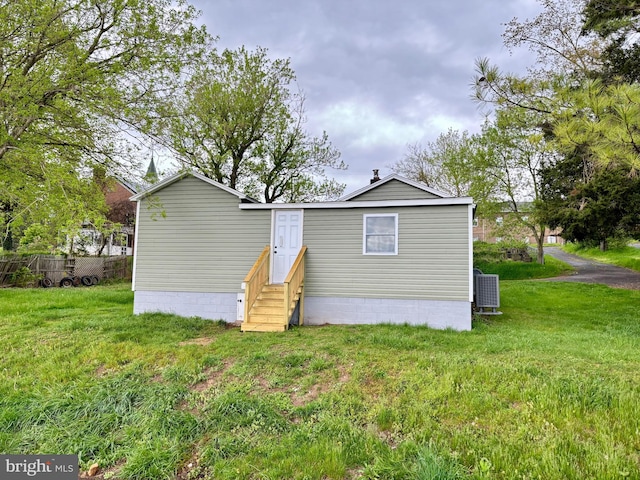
x=202 y=341
x=213 y=376
x=590 y=271
x=97 y=473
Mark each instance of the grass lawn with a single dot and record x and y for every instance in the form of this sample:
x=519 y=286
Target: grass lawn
x=510 y=270
x=628 y=257
x=548 y=390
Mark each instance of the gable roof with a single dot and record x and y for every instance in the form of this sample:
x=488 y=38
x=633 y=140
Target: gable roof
x=248 y=203
x=127 y=185
x=389 y=178
x=179 y=176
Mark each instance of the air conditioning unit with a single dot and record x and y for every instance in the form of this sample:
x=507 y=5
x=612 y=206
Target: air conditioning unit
x=487 y=290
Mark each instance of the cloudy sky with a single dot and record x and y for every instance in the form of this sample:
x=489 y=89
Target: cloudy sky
x=377 y=74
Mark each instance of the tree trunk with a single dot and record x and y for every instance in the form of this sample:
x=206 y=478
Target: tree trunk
x=540 y=247
x=7 y=240
x=539 y=237
x=603 y=245
x=7 y=236
x=103 y=244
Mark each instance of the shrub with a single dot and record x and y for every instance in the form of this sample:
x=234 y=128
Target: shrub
x=487 y=252
x=23 y=277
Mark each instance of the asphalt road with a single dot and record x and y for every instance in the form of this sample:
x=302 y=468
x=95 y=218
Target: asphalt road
x=589 y=271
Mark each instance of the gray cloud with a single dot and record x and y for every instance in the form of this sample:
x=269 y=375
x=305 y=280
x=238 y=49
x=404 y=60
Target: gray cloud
x=377 y=74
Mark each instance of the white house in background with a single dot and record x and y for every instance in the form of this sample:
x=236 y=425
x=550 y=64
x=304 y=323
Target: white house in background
x=122 y=210
x=394 y=251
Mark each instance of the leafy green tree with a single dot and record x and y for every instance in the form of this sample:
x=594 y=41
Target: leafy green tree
x=581 y=104
x=498 y=168
x=454 y=164
x=240 y=123
x=55 y=197
x=444 y=164
x=564 y=55
x=77 y=76
x=292 y=164
x=617 y=22
x=591 y=205
x=520 y=151
x=603 y=120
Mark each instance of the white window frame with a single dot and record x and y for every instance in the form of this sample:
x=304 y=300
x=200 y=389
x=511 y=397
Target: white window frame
x=364 y=233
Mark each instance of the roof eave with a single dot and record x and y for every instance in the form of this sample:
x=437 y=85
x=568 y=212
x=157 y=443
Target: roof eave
x=360 y=204
x=179 y=176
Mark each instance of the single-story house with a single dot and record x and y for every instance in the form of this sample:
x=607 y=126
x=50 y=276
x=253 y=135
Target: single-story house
x=394 y=251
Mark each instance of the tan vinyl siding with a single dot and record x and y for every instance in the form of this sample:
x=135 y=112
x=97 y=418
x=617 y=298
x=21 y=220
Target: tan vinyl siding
x=394 y=190
x=432 y=261
x=205 y=243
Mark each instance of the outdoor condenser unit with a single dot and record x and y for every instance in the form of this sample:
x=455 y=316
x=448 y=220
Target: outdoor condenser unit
x=487 y=289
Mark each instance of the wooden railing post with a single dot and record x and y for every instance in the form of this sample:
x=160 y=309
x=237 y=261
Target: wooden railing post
x=286 y=303
x=301 y=310
x=257 y=277
x=247 y=294
x=294 y=281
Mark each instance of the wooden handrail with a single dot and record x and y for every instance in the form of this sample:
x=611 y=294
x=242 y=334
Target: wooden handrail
x=263 y=256
x=257 y=278
x=294 y=281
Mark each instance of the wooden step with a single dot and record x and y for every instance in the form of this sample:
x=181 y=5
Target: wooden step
x=266 y=314
x=273 y=310
x=271 y=294
x=266 y=318
x=262 y=327
x=272 y=288
x=269 y=301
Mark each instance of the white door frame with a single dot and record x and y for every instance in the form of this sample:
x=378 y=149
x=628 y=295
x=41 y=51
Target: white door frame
x=274 y=245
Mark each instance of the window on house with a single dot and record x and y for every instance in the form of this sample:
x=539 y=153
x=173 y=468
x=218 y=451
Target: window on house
x=380 y=234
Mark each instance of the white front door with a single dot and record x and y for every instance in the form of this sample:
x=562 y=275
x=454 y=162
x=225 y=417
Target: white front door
x=286 y=242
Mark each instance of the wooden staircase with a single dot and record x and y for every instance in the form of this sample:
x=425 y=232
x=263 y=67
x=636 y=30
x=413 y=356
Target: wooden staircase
x=266 y=314
x=270 y=307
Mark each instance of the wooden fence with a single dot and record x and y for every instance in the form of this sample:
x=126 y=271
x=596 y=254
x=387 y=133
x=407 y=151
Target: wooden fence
x=33 y=270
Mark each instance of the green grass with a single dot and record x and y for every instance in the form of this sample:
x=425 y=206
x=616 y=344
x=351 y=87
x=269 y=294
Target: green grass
x=510 y=270
x=548 y=390
x=627 y=257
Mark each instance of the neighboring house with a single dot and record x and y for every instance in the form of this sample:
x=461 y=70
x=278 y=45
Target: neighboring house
x=492 y=230
x=395 y=251
x=122 y=211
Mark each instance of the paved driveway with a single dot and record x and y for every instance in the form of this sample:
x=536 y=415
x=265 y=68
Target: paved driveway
x=589 y=271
